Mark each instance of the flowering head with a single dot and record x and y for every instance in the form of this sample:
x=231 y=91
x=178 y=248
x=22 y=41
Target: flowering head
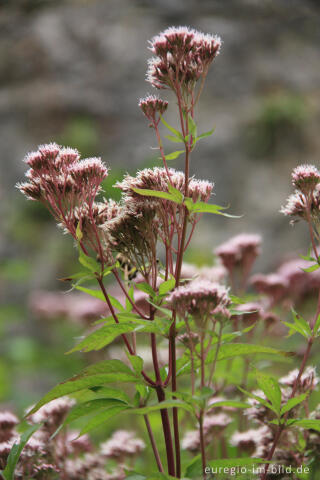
x=238 y=255
x=274 y=285
x=200 y=299
x=182 y=56
x=153 y=107
x=305 y=201
x=64 y=183
x=305 y=178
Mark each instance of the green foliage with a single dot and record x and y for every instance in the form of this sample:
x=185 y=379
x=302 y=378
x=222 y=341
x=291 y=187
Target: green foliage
x=101 y=418
x=162 y=405
x=203 y=207
x=293 y=402
x=271 y=389
x=107 y=371
x=163 y=195
x=166 y=286
x=103 y=337
x=307 y=423
x=299 y=325
x=173 y=155
x=177 y=136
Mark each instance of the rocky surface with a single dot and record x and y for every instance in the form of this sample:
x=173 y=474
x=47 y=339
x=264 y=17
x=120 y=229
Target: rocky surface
x=73 y=72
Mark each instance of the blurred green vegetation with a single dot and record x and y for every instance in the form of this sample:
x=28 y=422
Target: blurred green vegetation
x=280 y=123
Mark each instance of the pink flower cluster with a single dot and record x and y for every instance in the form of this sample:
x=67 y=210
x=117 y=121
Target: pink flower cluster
x=71 y=456
x=153 y=107
x=239 y=251
x=66 y=184
x=306 y=198
x=200 y=299
x=182 y=56
x=289 y=281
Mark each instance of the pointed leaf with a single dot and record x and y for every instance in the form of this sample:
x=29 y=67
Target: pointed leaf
x=205 y=134
x=166 y=286
x=293 y=402
x=107 y=371
x=89 y=263
x=173 y=130
x=101 y=418
x=174 y=155
x=155 y=193
x=14 y=455
x=271 y=389
x=103 y=337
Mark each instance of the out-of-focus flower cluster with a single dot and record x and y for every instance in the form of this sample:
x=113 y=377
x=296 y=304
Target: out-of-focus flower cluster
x=214 y=425
x=66 y=455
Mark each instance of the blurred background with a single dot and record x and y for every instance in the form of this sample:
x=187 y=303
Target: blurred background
x=72 y=72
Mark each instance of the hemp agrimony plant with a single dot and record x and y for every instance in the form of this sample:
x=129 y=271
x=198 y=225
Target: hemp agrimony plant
x=140 y=242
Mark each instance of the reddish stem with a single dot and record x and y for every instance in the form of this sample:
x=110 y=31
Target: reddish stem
x=153 y=443
x=126 y=341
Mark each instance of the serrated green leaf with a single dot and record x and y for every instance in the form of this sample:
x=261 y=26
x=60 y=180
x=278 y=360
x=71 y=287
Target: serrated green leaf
x=114 y=393
x=173 y=130
x=176 y=193
x=9 y=472
x=94 y=293
x=146 y=288
x=299 y=320
x=103 y=337
x=317 y=326
x=174 y=139
x=163 y=310
x=129 y=305
x=271 y=389
x=136 y=362
x=228 y=350
x=205 y=134
x=203 y=207
x=313 y=268
x=234 y=349
x=293 y=402
x=157 y=194
x=87 y=408
x=166 y=286
x=295 y=328
x=192 y=127
x=79 y=234
x=174 y=155
x=101 y=418
x=89 y=263
x=101 y=373
x=259 y=399
x=310 y=424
